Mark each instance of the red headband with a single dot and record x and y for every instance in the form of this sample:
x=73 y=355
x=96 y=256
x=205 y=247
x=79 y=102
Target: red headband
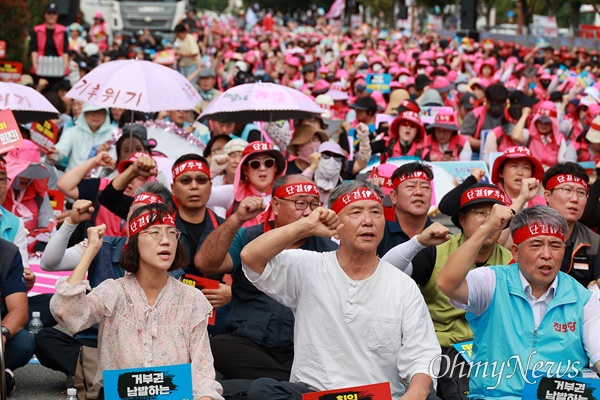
x=595 y=126
x=355 y=195
x=145 y=220
x=146 y=198
x=188 y=166
x=565 y=178
x=413 y=175
x=529 y=231
x=547 y=112
x=479 y=193
x=292 y=189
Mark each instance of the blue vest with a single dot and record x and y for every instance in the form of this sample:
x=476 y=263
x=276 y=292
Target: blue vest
x=9 y=225
x=505 y=333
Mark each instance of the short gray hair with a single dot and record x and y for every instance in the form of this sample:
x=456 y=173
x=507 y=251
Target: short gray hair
x=351 y=186
x=540 y=214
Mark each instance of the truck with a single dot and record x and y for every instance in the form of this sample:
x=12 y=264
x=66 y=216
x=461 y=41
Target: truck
x=589 y=22
x=135 y=15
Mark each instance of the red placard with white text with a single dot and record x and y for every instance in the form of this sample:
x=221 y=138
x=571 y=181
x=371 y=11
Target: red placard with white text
x=57 y=201
x=11 y=71
x=376 y=391
x=44 y=134
x=10 y=134
x=203 y=283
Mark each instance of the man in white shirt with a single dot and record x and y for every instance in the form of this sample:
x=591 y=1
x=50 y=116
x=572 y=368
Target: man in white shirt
x=527 y=315
x=358 y=320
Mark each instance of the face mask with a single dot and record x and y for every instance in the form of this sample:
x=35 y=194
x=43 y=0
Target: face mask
x=439 y=61
x=402 y=78
x=421 y=71
x=327 y=174
x=305 y=150
x=496 y=110
x=377 y=67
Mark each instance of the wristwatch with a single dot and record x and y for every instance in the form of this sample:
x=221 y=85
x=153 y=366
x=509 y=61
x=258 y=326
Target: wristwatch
x=6 y=332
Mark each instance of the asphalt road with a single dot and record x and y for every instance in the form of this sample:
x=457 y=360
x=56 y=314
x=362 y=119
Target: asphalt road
x=38 y=382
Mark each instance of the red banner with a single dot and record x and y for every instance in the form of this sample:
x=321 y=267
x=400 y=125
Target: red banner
x=57 y=201
x=376 y=391
x=11 y=71
x=10 y=135
x=44 y=134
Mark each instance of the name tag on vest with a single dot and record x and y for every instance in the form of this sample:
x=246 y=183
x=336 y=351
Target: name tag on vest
x=581 y=263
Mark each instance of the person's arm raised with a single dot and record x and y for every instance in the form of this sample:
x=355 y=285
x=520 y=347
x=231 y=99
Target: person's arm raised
x=213 y=256
x=452 y=278
x=69 y=182
x=321 y=222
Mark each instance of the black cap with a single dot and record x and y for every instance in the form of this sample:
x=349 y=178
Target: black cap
x=366 y=103
x=309 y=67
x=140 y=132
x=421 y=81
x=468 y=100
x=518 y=98
x=556 y=96
x=51 y=7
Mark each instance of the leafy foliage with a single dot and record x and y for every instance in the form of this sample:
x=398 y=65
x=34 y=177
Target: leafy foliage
x=14 y=21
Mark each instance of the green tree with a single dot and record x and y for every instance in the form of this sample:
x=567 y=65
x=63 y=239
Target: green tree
x=14 y=21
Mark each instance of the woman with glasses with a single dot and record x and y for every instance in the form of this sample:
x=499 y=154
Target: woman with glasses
x=259 y=167
x=146 y=318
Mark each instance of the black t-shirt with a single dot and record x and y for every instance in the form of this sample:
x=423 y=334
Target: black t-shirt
x=50 y=47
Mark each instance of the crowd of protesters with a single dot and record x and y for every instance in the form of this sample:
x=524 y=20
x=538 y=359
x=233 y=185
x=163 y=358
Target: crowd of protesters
x=312 y=258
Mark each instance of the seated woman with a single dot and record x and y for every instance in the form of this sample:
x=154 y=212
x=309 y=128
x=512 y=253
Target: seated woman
x=407 y=132
x=146 y=318
x=510 y=172
x=444 y=141
x=27 y=195
x=260 y=166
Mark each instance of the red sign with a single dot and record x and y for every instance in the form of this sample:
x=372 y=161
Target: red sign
x=203 y=283
x=376 y=391
x=57 y=201
x=2 y=49
x=165 y=57
x=44 y=134
x=11 y=71
x=10 y=135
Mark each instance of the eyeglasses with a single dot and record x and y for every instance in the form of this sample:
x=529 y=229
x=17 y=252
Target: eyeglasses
x=267 y=163
x=302 y=204
x=568 y=192
x=158 y=234
x=481 y=214
x=187 y=180
x=327 y=156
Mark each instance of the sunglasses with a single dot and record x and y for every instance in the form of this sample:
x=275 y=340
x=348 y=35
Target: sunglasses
x=267 y=163
x=187 y=180
x=407 y=123
x=327 y=156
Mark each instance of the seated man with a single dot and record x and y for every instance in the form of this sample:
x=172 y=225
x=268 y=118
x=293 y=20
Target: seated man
x=411 y=197
x=358 y=320
x=260 y=341
x=534 y=289
x=450 y=324
x=18 y=342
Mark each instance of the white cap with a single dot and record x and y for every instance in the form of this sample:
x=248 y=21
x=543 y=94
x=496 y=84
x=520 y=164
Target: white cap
x=35 y=314
x=71 y=392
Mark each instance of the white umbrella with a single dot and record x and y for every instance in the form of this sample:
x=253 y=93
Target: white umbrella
x=261 y=102
x=136 y=85
x=26 y=104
